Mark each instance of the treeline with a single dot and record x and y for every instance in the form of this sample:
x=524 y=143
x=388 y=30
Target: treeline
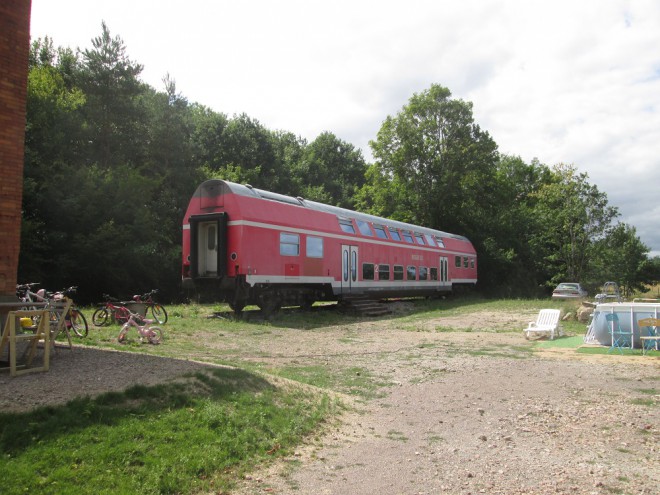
x=111 y=163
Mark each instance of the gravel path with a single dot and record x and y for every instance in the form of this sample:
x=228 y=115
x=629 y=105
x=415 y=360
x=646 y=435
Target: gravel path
x=489 y=425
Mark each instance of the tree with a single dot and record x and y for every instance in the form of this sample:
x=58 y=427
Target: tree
x=207 y=130
x=623 y=258
x=52 y=140
x=115 y=120
x=331 y=171
x=444 y=162
x=510 y=259
x=574 y=215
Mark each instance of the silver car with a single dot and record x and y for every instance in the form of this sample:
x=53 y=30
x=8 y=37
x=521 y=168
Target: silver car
x=569 y=290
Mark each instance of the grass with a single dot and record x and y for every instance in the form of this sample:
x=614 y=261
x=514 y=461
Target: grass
x=572 y=342
x=200 y=435
x=194 y=436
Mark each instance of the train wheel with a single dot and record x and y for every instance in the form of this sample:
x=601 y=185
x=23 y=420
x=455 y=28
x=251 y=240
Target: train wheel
x=269 y=304
x=237 y=307
x=307 y=303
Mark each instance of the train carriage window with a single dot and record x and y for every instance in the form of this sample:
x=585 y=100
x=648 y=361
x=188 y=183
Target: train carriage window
x=380 y=231
x=354 y=265
x=364 y=228
x=394 y=234
x=420 y=239
x=314 y=247
x=411 y=273
x=407 y=237
x=440 y=242
x=458 y=261
x=472 y=263
x=367 y=271
x=423 y=273
x=383 y=272
x=466 y=262
x=434 y=273
x=429 y=239
x=210 y=238
x=289 y=244
x=346 y=225
x=398 y=272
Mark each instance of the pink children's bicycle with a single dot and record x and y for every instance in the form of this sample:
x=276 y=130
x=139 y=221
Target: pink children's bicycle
x=153 y=335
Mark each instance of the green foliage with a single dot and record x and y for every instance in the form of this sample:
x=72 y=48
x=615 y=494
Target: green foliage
x=574 y=215
x=330 y=171
x=111 y=163
x=443 y=160
x=632 y=269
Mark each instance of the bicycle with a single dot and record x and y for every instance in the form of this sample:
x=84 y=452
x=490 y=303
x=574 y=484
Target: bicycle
x=157 y=310
x=26 y=296
x=74 y=318
x=110 y=311
x=153 y=334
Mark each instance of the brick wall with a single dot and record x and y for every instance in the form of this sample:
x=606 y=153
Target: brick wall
x=14 y=50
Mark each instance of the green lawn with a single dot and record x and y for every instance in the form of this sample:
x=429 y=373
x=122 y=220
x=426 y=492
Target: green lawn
x=196 y=436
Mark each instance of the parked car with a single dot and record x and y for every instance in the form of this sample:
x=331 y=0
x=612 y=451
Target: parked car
x=569 y=290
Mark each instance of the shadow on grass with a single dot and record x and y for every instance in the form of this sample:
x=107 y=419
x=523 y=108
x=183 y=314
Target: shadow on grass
x=325 y=314
x=19 y=431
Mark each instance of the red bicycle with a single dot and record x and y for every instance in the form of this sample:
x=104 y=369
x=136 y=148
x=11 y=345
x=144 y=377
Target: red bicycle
x=111 y=310
x=157 y=310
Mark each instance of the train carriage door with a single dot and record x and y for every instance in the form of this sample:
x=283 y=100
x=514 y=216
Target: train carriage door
x=208 y=249
x=208 y=245
x=349 y=267
x=444 y=268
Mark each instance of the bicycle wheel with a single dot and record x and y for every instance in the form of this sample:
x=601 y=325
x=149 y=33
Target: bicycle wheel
x=155 y=335
x=100 y=317
x=159 y=313
x=78 y=322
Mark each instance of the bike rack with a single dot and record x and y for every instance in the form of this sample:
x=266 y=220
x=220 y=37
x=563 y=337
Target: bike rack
x=13 y=332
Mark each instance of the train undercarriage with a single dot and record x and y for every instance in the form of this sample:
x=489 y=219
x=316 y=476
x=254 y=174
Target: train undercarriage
x=270 y=298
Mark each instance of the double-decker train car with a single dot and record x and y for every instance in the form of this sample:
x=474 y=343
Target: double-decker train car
x=246 y=246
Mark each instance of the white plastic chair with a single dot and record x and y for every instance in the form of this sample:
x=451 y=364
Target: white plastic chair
x=547 y=322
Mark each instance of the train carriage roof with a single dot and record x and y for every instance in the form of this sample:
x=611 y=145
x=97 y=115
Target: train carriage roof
x=216 y=187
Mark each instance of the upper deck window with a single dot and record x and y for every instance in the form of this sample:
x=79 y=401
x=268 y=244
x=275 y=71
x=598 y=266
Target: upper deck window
x=346 y=225
x=394 y=234
x=364 y=228
x=407 y=237
x=429 y=239
x=420 y=239
x=314 y=247
x=289 y=244
x=441 y=243
x=380 y=231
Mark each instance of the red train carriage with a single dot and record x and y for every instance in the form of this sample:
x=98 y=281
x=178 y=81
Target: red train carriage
x=243 y=246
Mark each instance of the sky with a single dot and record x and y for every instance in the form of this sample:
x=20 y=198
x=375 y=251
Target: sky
x=561 y=81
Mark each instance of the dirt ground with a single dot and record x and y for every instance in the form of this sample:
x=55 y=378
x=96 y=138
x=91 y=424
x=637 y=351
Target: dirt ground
x=459 y=412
